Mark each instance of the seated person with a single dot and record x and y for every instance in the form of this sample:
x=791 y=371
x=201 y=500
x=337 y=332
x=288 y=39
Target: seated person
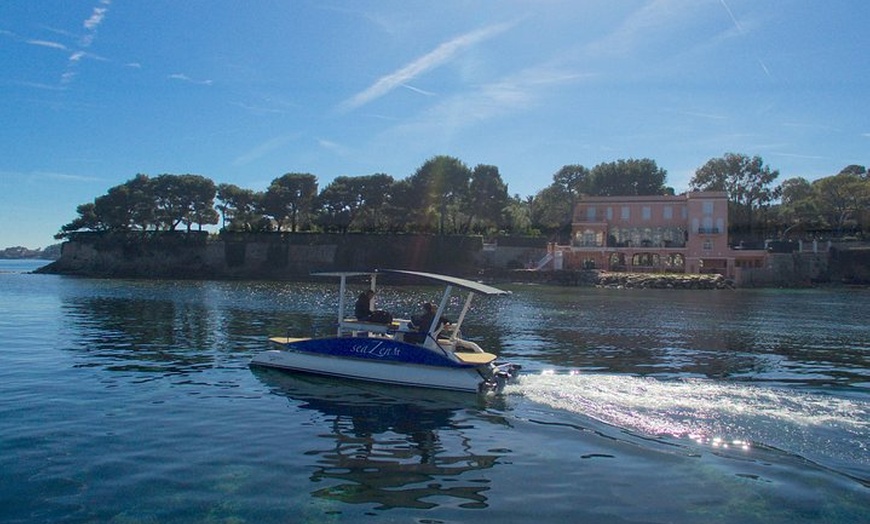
x=363 y=309
x=421 y=323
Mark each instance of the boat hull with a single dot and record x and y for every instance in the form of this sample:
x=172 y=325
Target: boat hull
x=454 y=378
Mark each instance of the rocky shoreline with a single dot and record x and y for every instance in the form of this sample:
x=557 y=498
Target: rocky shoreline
x=612 y=280
x=663 y=281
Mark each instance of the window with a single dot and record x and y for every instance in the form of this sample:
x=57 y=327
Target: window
x=646 y=213
x=609 y=213
x=626 y=213
x=645 y=259
x=708 y=207
x=668 y=212
x=590 y=213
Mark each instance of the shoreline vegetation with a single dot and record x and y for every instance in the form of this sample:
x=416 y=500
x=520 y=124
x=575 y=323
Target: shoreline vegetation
x=436 y=220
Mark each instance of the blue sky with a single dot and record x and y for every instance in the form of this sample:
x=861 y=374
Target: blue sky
x=93 y=92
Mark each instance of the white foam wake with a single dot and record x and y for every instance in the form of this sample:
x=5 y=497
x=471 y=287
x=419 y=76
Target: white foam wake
x=718 y=413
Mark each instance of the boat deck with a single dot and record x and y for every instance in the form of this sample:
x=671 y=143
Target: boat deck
x=286 y=340
x=475 y=358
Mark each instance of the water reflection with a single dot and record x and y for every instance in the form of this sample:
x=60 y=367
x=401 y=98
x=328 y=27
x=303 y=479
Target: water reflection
x=749 y=335
x=393 y=447
x=169 y=330
x=123 y=334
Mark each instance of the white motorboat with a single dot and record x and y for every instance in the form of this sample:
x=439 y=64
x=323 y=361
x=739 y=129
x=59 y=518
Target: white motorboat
x=397 y=352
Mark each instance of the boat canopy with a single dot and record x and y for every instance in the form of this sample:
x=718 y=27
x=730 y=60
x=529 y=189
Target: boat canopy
x=470 y=286
x=463 y=283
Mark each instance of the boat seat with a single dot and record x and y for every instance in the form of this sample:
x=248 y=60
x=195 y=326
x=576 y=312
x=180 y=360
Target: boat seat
x=475 y=358
x=362 y=325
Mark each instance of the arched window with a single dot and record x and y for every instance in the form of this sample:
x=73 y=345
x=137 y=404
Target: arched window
x=617 y=260
x=675 y=262
x=645 y=259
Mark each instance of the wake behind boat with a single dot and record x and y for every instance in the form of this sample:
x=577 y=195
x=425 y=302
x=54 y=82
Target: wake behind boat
x=396 y=351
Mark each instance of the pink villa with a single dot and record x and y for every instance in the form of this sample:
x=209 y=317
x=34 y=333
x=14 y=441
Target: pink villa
x=686 y=233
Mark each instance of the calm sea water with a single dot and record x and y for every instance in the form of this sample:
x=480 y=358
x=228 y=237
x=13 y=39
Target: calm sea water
x=132 y=402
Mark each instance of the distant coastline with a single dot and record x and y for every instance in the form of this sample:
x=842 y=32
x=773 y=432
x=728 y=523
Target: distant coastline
x=52 y=252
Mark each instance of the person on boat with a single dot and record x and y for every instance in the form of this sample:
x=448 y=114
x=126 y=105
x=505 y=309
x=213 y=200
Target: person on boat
x=420 y=323
x=363 y=309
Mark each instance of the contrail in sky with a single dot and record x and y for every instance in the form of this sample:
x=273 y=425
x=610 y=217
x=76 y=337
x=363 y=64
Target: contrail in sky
x=431 y=60
x=731 y=14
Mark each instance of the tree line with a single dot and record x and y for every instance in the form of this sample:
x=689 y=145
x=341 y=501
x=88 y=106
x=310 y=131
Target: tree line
x=445 y=196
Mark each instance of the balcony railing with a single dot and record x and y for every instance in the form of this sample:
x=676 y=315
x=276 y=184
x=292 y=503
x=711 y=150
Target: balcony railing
x=708 y=230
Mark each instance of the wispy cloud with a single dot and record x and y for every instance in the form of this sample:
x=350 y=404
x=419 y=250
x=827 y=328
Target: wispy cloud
x=37 y=176
x=512 y=94
x=418 y=90
x=38 y=85
x=437 y=57
x=66 y=177
x=651 y=17
x=91 y=24
x=707 y=116
x=184 y=78
x=264 y=149
x=46 y=43
x=798 y=155
x=96 y=18
x=333 y=147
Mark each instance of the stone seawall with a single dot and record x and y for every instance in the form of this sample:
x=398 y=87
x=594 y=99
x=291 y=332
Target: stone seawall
x=261 y=256
x=293 y=256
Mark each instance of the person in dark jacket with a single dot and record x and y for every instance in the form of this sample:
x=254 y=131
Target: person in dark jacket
x=421 y=323
x=363 y=309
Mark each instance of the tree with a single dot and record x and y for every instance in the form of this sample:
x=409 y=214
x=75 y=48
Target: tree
x=401 y=211
x=375 y=194
x=125 y=207
x=289 y=200
x=199 y=204
x=747 y=181
x=855 y=169
x=574 y=179
x=552 y=209
x=798 y=207
x=128 y=206
x=841 y=198
x=338 y=204
x=627 y=178
x=440 y=185
x=240 y=207
x=518 y=215
x=183 y=199
x=354 y=202
x=87 y=219
x=486 y=201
